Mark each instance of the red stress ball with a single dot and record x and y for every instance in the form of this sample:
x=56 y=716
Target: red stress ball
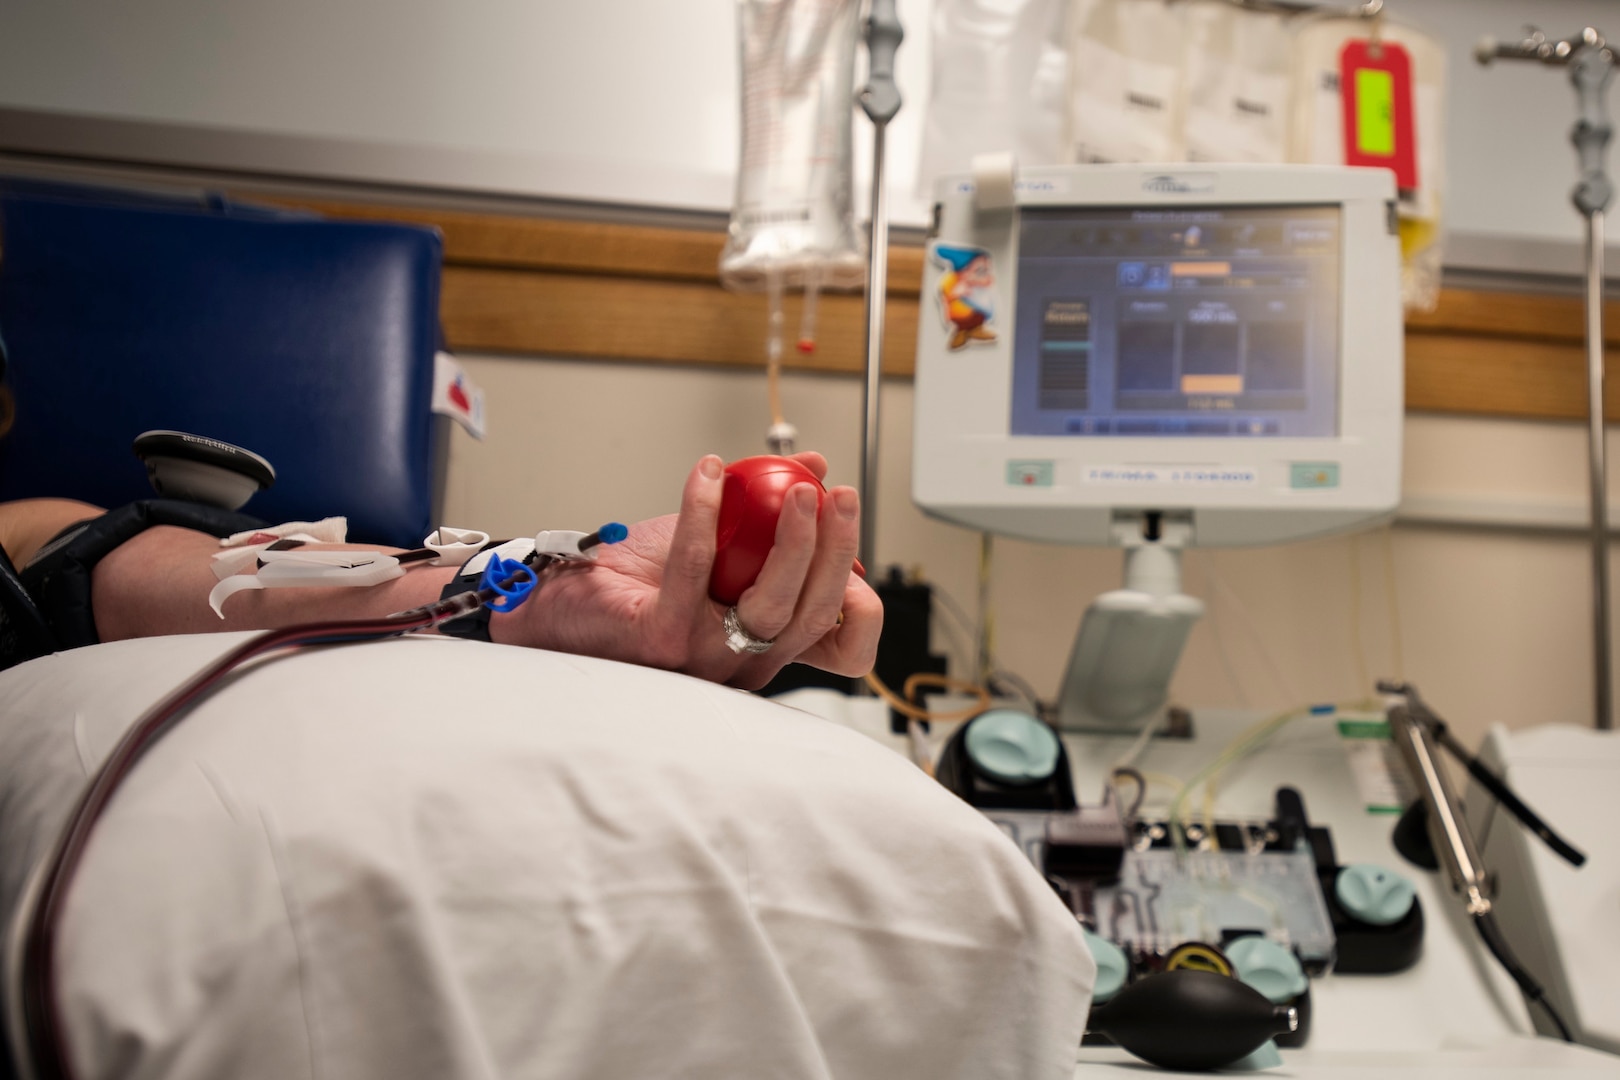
x=750 y=503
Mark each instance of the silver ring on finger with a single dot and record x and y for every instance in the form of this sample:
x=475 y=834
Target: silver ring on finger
x=739 y=640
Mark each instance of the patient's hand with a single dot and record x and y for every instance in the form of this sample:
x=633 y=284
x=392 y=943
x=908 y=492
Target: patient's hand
x=646 y=600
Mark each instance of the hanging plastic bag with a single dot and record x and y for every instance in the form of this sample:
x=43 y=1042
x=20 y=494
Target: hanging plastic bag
x=1237 y=65
x=1318 y=136
x=1000 y=83
x=792 y=222
x=1127 y=91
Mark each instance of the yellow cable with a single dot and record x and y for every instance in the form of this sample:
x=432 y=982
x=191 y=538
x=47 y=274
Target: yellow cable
x=1243 y=745
x=1364 y=680
x=1162 y=779
x=1212 y=616
x=906 y=708
x=921 y=754
x=1209 y=814
x=987 y=621
x=1392 y=594
x=1198 y=957
x=1150 y=779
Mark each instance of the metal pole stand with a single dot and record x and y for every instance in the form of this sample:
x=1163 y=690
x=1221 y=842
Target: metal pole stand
x=1591 y=62
x=880 y=100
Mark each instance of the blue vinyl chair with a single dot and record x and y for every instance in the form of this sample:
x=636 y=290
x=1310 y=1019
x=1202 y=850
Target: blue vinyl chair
x=308 y=341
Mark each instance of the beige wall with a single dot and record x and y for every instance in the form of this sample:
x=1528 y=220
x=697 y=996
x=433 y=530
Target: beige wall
x=1494 y=623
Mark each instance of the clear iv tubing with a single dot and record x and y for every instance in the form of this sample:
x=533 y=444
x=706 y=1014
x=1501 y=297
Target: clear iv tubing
x=1242 y=747
x=773 y=343
x=780 y=436
x=807 y=317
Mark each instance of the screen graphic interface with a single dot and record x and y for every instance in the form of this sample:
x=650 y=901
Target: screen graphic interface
x=1177 y=322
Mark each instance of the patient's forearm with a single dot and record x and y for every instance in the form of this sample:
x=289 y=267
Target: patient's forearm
x=159 y=581
x=644 y=601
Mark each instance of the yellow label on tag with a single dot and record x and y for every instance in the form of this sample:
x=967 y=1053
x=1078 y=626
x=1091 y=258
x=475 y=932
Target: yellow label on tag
x=1375 y=112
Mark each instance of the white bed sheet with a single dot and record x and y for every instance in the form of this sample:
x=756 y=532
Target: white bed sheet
x=436 y=858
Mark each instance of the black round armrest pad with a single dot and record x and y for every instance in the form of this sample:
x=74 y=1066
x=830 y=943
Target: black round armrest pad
x=179 y=444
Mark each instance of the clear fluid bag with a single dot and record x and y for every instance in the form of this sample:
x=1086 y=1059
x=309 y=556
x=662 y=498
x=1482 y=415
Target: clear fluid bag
x=792 y=223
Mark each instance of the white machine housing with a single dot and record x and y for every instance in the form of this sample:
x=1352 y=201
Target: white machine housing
x=1561 y=921
x=1268 y=487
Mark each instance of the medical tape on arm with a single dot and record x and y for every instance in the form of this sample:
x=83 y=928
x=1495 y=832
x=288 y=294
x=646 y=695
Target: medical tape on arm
x=281 y=563
x=242 y=549
x=299 y=569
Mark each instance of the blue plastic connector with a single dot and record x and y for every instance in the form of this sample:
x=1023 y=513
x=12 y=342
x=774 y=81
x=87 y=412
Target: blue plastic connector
x=511 y=580
x=612 y=532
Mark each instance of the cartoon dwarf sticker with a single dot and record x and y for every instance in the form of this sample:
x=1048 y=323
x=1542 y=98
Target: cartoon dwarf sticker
x=965 y=298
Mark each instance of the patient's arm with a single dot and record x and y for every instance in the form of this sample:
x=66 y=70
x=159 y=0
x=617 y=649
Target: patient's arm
x=158 y=583
x=644 y=601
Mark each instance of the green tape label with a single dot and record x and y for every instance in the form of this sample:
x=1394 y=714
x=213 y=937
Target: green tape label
x=1313 y=474
x=1364 y=729
x=1029 y=473
x=1375 y=112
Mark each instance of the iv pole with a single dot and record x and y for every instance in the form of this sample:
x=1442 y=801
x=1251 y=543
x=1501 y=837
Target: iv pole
x=1591 y=62
x=880 y=100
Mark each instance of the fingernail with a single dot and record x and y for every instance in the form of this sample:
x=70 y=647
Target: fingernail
x=848 y=505
x=710 y=466
x=804 y=500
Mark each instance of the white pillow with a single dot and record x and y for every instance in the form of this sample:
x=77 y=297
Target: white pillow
x=437 y=858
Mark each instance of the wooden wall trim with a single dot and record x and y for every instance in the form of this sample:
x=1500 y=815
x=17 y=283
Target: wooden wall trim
x=627 y=318
x=543 y=286
x=1513 y=315
x=586 y=247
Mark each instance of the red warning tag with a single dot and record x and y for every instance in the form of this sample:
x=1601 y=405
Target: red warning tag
x=1375 y=81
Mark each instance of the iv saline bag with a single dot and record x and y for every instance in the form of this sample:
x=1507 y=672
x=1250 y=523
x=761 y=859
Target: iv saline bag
x=792 y=223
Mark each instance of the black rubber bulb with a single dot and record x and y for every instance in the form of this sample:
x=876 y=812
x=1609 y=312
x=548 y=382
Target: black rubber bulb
x=1188 y=1019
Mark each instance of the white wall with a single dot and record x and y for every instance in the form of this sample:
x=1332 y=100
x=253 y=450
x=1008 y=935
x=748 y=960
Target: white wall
x=625 y=100
x=1494 y=624
x=509 y=76
x=621 y=101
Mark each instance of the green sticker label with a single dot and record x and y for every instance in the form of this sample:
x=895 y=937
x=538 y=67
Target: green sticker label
x=1375 y=112
x=1029 y=473
x=1313 y=474
x=1364 y=729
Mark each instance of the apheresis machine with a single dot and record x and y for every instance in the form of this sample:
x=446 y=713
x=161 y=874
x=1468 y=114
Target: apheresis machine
x=1153 y=357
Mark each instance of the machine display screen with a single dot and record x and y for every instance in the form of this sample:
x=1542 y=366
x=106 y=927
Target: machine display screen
x=1185 y=321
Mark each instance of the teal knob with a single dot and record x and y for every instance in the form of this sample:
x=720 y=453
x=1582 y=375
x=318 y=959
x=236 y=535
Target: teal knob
x=1012 y=747
x=1267 y=1057
x=1373 y=894
x=1112 y=967
x=1268 y=967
